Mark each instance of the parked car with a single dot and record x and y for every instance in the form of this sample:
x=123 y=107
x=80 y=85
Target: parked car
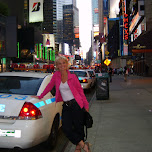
x=92 y=75
x=26 y=121
x=22 y=66
x=84 y=77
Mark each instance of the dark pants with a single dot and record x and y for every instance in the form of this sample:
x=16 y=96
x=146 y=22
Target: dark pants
x=72 y=122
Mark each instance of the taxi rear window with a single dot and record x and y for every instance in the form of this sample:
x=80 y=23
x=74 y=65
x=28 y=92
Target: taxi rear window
x=80 y=73
x=20 y=85
x=91 y=73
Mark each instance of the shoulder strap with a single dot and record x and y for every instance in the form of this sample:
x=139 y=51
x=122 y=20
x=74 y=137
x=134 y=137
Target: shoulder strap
x=86 y=134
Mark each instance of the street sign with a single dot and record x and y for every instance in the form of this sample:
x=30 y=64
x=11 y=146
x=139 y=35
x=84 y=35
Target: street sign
x=106 y=52
x=107 y=62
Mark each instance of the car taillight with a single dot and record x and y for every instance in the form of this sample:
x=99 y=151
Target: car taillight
x=85 y=81
x=30 y=112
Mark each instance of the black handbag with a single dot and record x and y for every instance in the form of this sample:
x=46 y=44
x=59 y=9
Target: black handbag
x=88 y=120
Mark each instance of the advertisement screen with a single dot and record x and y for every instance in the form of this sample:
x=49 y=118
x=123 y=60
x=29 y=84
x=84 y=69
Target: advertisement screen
x=48 y=40
x=35 y=11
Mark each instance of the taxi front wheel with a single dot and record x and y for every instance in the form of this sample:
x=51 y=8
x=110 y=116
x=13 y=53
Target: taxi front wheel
x=51 y=141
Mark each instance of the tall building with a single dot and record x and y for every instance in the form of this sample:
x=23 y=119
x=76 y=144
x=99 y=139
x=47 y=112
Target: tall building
x=49 y=23
x=8 y=31
x=67 y=23
x=113 y=38
x=59 y=9
x=100 y=13
x=140 y=31
x=2 y=40
x=16 y=8
x=95 y=18
x=68 y=2
x=76 y=27
x=30 y=39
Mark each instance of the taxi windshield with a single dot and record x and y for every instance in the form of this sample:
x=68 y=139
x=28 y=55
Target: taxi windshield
x=19 y=85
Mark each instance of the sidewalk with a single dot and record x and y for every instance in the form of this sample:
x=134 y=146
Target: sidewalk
x=124 y=122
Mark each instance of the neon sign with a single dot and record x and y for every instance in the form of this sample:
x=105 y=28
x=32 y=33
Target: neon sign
x=126 y=29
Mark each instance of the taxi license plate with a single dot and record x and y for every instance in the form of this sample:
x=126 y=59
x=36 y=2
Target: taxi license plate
x=10 y=133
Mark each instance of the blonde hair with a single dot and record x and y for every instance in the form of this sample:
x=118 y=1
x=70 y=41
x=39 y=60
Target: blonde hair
x=58 y=58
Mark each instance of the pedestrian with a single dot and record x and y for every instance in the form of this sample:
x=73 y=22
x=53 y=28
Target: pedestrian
x=125 y=73
x=121 y=70
x=97 y=70
x=110 y=74
x=69 y=90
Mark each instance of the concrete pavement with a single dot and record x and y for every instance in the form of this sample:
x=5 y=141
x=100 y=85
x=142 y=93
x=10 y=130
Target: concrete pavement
x=124 y=122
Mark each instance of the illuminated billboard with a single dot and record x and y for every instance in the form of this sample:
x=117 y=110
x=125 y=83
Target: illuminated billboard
x=96 y=30
x=77 y=36
x=48 y=40
x=76 y=32
x=126 y=27
x=96 y=10
x=35 y=11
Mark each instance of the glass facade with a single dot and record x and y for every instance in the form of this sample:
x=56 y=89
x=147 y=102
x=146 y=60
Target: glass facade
x=59 y=5
x=49 y=24
x=59 y=8
x=95 y=12
x=68 y=27
x=59 y=31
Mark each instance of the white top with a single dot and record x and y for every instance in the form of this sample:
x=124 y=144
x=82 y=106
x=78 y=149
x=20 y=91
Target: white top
x=65 y=92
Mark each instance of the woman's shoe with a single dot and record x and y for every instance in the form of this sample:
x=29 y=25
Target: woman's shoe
x=86 y=144
x=78 y=150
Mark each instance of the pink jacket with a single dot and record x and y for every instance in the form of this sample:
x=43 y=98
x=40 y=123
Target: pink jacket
x=74 y=85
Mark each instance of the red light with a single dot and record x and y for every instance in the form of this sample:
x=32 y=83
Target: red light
x=25 y=109
x=30 y=110
x=33 y=113
x=85 y=81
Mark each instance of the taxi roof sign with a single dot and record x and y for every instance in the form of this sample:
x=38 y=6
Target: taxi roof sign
x=107 y=62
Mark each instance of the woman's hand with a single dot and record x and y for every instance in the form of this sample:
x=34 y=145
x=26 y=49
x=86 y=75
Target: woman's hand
x=35 y=97
x=87 y=110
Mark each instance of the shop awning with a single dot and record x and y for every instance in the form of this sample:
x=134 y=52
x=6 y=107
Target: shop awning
x=142 y=44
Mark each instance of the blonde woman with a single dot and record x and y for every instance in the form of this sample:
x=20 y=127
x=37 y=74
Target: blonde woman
x=69 y=90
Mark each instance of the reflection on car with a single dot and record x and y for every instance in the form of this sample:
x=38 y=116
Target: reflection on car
x=84 y=77
x=26 y=121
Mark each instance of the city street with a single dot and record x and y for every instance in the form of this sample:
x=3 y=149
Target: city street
x=106 y=44
x=124 y=122
x=121 y=124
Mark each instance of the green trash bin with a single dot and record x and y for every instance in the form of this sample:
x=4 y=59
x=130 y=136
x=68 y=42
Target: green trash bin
x=102 y=86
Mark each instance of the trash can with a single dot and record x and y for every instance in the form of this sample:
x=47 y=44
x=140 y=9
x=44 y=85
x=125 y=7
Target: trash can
x=102 y=86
